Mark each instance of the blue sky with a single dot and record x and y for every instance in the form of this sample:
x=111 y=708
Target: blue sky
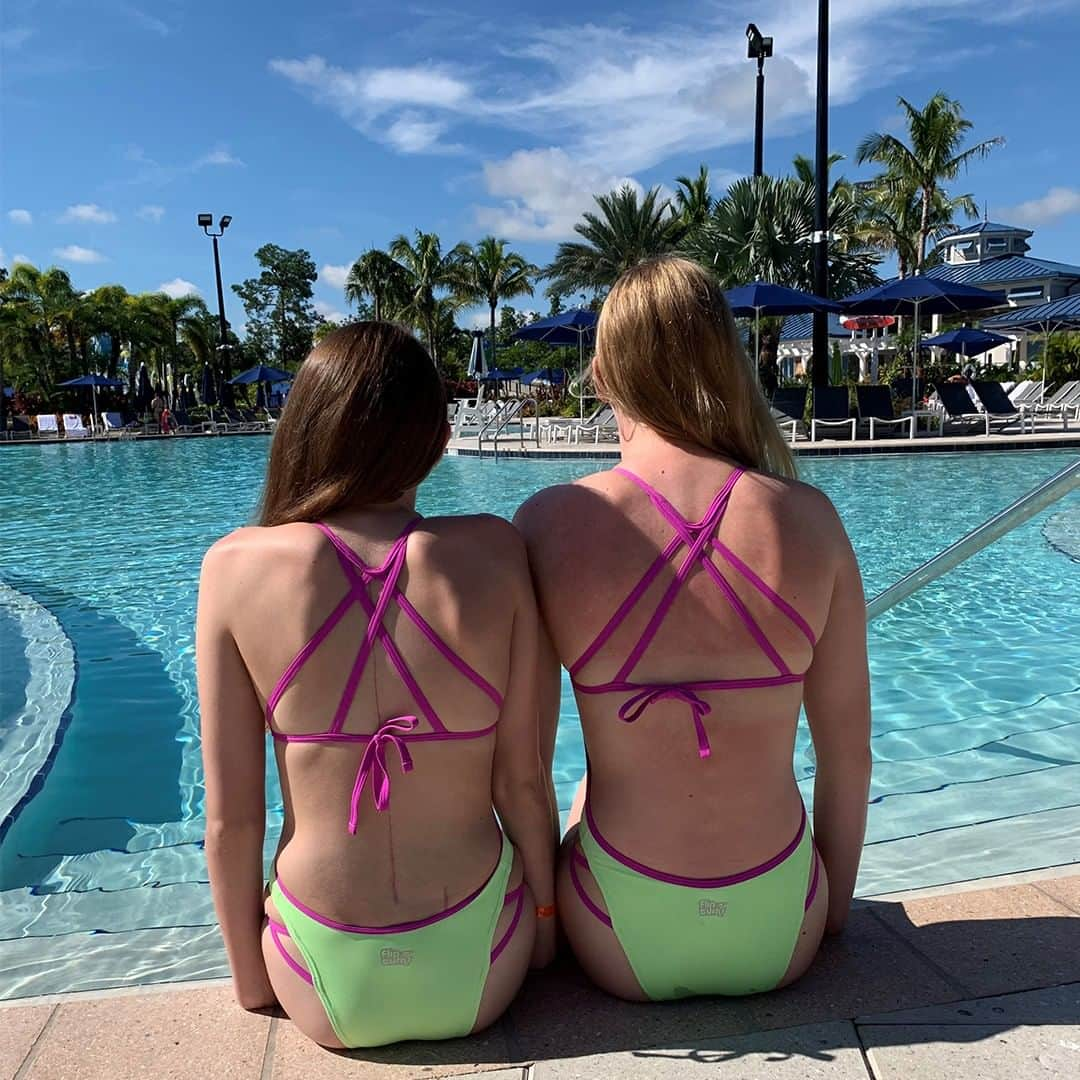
x=337 y=124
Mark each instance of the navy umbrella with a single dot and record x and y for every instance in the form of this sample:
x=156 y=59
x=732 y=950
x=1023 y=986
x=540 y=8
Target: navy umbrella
x=574 y=327
x=144 y=392
x=762 y=298
x=917 y=296
x=966 y=341
x=208 y=390
x=1047 y=319
x=94 y=381
x=260 y=373
x=478 y=364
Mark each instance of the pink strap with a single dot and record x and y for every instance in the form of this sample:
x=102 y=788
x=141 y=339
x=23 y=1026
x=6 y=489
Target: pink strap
x=519 y=895
x=577 y=859
x=277 y=932
x=373 y=765
x=631 y=710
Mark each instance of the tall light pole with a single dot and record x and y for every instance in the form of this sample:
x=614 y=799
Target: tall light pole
x=206 y=223
x=819 y=367
x=760 y=49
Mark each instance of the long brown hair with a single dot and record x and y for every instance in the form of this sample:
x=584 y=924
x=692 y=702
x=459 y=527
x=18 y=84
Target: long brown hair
x=365 y=421
x=668 y=355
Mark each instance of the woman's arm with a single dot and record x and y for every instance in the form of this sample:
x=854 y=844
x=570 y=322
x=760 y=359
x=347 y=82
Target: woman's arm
x=521 y=785
x=233 y=750
x=837 y=698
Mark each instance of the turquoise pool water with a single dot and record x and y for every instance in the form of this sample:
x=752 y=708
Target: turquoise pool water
x=975 y=683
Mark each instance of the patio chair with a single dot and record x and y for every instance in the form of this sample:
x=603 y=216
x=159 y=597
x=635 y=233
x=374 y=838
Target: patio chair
x=112 y=423
x=996 y=403
x=602 y=426
x=789 y=408
x=957 y=407
x=1065 y=400
x=47 y=427
x=237 y=421
x=830 y=409
x=184 y=425
x=874 y=405
x=74 y=428
x=1026 y=392
x=20 y=428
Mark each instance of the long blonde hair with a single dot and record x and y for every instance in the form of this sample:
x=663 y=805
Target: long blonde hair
x=669 y=356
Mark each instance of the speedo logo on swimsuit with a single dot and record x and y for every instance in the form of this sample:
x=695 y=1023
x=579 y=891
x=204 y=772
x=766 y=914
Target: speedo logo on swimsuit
x=396 y=957
x=711 y=907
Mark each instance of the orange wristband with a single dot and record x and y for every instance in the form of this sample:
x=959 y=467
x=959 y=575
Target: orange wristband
x=546 y=912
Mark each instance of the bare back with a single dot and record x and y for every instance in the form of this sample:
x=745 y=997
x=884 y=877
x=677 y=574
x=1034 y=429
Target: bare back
x=415 y=721
x=698 y=781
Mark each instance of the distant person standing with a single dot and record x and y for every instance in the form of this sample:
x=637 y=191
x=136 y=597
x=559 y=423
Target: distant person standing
x=157 y=406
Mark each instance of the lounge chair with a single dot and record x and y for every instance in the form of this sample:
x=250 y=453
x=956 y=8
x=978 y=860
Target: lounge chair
x=996 y=403
x=112 y=423
x=831 y=409
x=602 y=425
x=237 y=421
x=20 y=428
x=74 y=428
x=789 y=408
x=1065 y=399
x=874 y=405
x=47 y=427
x=1026 y=392
x=183 y=424
x=958 y=408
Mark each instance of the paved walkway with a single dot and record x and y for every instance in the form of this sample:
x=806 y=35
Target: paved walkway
x=982 y=984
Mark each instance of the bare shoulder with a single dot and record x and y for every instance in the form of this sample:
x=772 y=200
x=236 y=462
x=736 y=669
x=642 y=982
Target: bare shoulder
x=558 y=507
x=248 y=555
x=461 y=542
x=797 y=506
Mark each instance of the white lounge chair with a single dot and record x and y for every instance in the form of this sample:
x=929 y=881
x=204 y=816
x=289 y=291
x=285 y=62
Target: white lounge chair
x=74 y=428
x=1026 y=392
x=600 y=425
x=47 y=426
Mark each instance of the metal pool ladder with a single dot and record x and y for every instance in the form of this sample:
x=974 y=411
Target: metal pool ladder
x=510 y=410
x=1027 y=506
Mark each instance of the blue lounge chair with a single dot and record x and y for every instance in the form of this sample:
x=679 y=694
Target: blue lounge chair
x=874 y=405
x=789 y=408
x=831 y=409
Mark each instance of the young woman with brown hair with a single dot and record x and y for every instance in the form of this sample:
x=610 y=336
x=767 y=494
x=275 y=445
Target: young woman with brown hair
x=393 y=659
x=693 y=636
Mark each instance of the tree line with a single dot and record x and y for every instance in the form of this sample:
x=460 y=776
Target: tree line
x=759 y=228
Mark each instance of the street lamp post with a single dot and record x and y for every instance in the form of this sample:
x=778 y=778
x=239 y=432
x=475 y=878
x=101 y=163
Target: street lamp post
x=760 y=49
x=820 y=362
x=206 y=222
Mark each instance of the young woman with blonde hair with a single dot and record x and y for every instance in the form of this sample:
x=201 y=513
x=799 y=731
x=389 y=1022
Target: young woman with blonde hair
x=699 y=596
x=393 y=659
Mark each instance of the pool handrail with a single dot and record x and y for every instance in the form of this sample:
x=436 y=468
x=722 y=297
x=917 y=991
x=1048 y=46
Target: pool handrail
x=1026 y=507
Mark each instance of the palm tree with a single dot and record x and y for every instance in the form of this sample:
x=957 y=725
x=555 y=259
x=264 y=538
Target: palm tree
x=762 y=230
x=693 y=198
x=43 y=307
x=377 y=275
x=622 y=234
x=489 y=273
x=425 y=271
x=935 y=133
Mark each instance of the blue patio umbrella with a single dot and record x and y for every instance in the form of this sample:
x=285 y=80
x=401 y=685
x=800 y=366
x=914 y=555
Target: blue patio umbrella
x=144 y=392
x=94 y=380
x=545 y=377
x=574 y=327
x=260 y=373
x=967 y=341
x=762 y=298
x=917 y=296
x=504 y=374
x=208 y=390
x=1045 y=319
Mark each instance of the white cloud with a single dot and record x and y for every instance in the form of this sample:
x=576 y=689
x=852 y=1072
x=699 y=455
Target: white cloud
x=329 y=312
x=365 y=96
x=150 y=213
x=15 y=38
x=20 y=217
x=76 y=254
x=220 y=155
x=543 y=194
x=179 y=287
x=334 y=275
x=1058 y=202
x=144 y=19
x=87 y=214
x=18 y=258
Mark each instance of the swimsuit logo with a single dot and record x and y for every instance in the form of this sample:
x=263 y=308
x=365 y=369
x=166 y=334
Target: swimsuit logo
x=711 y=907
x=396 y=957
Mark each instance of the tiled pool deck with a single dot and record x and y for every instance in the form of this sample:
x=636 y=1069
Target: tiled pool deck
x=977 y=982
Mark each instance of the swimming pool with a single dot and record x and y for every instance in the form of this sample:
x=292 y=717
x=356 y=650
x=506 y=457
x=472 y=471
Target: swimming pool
x=102 y=876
